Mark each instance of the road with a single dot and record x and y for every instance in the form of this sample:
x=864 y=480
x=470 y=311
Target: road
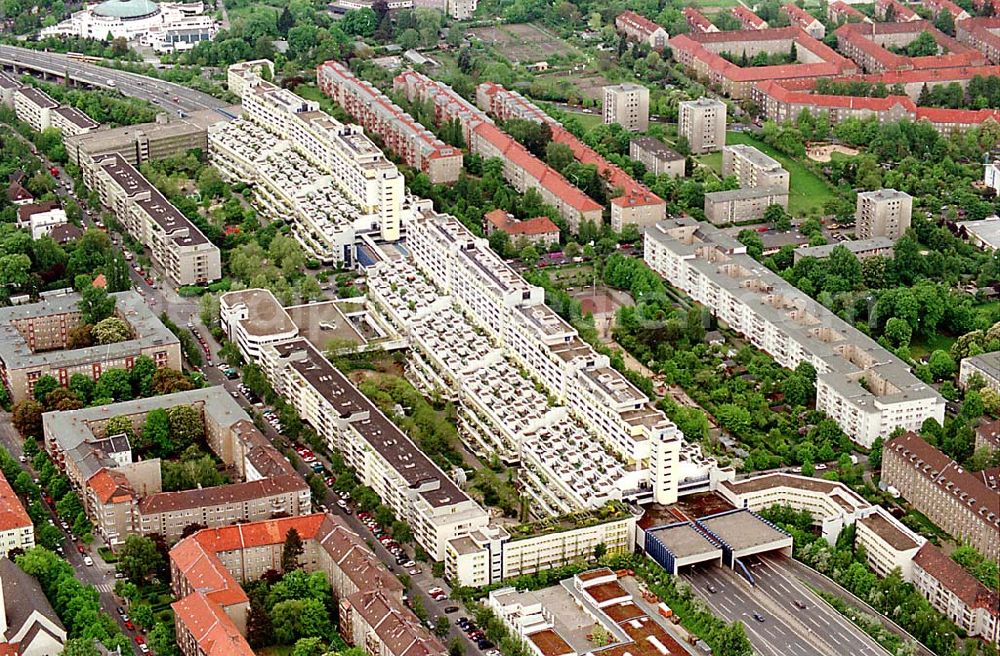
x=787 y=630
x=169 y=96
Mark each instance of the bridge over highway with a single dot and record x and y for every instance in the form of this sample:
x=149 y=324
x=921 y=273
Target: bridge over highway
x=168 y=95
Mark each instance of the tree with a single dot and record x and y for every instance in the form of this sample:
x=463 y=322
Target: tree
x=291 y=551
x=116 y=273
x=941 y=365
x=47 y=535
x=360 y=22
x=168 y=381
x=875 y=454
x=95 y=304
x=529 y=255
x=187 y=426
x=80 y=647
x=156 y=433
x=141 y=376
x=409 y=39
x=139 y=558
x=27 y=418
x=114 y=384
x=442 y=626
x=83 y=386
x=15 y=272
x=142 y=614
x=558 y=155
x=600 y=549
x=162 y=640
x=778 y=218
x=79 y=337
x=753 y=242
x=43 y=386
x=300 y=618
x=111 y=331
x=898 y=332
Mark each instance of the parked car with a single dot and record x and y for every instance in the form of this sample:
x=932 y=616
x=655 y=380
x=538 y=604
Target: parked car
x=451 y=609
x=88 y=561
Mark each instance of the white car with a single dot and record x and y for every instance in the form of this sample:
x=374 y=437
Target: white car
x=88 y=561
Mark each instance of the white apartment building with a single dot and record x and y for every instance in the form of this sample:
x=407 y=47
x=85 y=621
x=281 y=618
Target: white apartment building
x=493 y=554
x=753 y=169
x=34 y=106
x=866 y=389
x=40 y=218
x=177 y=246
x=883 y=213
x=16 y=528
x=383 y=457
x=166 y=27
x=252 y=319
x=627 y=105
x=991 y=175
x=984 y=365
x=342 y=153
x=956 y=593
x=513 y=315
x=888 y=543
x=703 y=123
x=832 y=505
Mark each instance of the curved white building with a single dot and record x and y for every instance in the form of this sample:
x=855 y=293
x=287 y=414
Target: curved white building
x=164 y=27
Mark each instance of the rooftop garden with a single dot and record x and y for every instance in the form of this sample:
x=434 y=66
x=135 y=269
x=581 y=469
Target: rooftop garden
x=611 y=511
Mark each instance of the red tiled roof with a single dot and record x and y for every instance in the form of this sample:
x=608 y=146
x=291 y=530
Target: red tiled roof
x=799 y=15
x=638 y=22
x=696 y=19
x=937 y=6
x=861 y=36
x=692 y=44
x=12 y=513
x=545 y=174
x=747 y=18
x=841 y=8
x=539 y=225
x=110 y=485
x=16 y=192
x=955 y=579
x=902 y=12
x=210 y=627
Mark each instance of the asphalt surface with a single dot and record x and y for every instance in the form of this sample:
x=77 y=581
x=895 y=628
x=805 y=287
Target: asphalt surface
x=786 y=629
x=171 y=97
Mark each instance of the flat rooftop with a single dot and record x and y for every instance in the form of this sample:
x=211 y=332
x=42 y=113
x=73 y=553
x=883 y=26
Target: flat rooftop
x=684 y=541
x=322 y=322
x=743 y=530
x=887 y=531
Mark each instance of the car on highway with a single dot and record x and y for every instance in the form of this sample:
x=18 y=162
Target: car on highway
x=757 y=616
x=800 y=604
x=712 y=589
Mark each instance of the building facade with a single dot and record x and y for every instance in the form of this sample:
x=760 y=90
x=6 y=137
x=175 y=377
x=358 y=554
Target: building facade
x=703 y=123
x=956 y=593
x=16 y=528
x=639 y=28
x=657 y=157
x=628 y=106
x=753 y=169
x=984 y=365
x=883 y=213
x=742 y=205
x=952 y=498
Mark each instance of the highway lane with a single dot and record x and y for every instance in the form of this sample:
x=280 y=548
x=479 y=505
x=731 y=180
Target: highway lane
x=168 y=95
x=816 y=629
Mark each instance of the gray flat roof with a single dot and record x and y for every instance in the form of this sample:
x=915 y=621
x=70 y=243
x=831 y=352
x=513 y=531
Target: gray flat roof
x=743 y=530
x=659 y=149
x=858 y=246
x=987 y=230
x=321 y=322
x=988 y=362
x=755 y=156
x=684 y=541
x=746 y=193
x=16 y=354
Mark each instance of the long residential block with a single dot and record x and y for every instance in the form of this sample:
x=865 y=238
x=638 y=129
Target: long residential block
x=33 y=340
x=866 y=389
x=868 y=45
x=356 y=165
x=634 y=203
x=41 y=112
x=176 y=245
x=412 y=142
x=742 y=205
x=956 y=593
x=383 y=457
x=520 y=168
x=954 y=499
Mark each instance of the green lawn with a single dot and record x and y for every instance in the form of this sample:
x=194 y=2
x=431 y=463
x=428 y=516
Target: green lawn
x=922 y=348
x=808 y=192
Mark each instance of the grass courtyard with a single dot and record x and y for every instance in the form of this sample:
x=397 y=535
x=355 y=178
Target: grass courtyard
x=807 y=193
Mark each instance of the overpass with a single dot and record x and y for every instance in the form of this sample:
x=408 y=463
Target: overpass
x=168 y=95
